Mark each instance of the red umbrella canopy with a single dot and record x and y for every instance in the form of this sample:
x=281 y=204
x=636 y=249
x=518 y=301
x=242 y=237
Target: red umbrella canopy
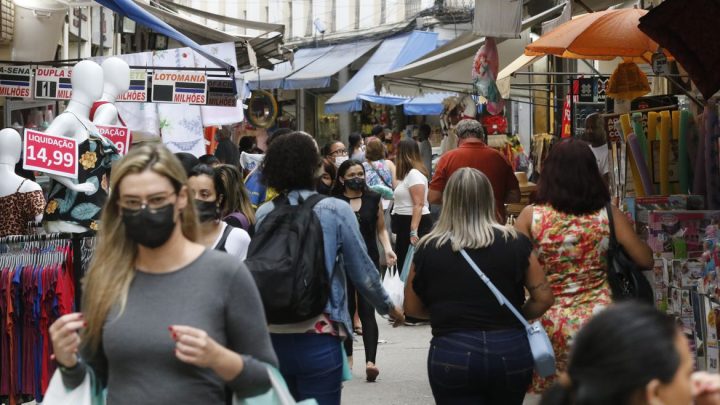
x=689 y=30
x=603 y=35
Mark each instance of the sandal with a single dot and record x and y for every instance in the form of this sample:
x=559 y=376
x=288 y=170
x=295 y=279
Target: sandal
x=371 y=373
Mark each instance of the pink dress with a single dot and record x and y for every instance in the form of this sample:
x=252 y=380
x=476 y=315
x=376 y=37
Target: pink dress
x=572 y=250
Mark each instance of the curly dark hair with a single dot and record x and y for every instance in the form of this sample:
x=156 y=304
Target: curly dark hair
x=570 y=180
x=291 y=163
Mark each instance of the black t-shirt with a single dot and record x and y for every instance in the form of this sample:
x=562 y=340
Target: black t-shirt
x=367 y=217
x=458 y=299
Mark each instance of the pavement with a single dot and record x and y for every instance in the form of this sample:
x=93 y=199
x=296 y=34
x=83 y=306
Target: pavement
x=401 y=358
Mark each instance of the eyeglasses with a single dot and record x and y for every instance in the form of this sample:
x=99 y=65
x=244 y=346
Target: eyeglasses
x=339 y=152
x=133 y=205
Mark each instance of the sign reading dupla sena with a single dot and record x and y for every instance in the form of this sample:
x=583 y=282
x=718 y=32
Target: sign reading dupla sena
x=15 y=81
x=53 y=83
x=179 y=87
x=118 y=135
x=138 y=90
x=50 y=154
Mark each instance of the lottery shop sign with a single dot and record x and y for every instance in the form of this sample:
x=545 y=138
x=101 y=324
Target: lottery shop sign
x=179 y=87
x=138 y=90
x=16 y=81
x=53 y=83
x=118 y=135
x=50 y=154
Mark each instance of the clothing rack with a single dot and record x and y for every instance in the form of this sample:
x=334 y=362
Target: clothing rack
x=39 y=282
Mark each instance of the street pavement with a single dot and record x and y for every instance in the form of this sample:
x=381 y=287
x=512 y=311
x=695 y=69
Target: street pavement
x=403 y=373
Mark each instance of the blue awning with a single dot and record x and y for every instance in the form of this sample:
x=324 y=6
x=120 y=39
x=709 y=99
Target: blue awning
x=318 y=74
x=392 y=54
x=430 y=104
x=273 y=79
x=131 y=10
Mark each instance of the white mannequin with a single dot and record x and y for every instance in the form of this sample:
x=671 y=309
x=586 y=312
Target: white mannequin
x=10 y=150
x=116 y=73
x=87 y=83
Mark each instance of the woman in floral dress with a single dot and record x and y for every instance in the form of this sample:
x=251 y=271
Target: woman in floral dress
x=570 y=232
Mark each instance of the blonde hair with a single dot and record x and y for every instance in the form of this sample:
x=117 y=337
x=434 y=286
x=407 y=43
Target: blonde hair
x=408 y=158
x=108 y=279
x=236 y=195
x=468 y=218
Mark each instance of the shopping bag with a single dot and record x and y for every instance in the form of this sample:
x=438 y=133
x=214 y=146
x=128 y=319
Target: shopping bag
x=394 y=286
x=88 y=392
x=277 y=395
x=408 y=263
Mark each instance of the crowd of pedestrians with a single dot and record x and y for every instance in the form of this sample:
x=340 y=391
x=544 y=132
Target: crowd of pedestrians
x=180 y=304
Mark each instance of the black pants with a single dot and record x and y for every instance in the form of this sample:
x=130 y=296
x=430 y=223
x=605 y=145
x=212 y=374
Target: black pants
x=366 y=312
x=401 y=228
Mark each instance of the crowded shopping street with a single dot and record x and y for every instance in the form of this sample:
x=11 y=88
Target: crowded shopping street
x=350 y=202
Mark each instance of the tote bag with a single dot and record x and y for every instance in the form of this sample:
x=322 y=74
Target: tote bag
x=87 y=393
x=277 y=395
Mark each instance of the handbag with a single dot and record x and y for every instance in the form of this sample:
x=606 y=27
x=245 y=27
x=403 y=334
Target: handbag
x=540 y=346
x=278 y=394
x=408 y=263
x=89 y=392
x=624 y=276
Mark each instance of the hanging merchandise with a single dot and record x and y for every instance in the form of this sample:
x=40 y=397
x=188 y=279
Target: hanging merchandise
x=627 y=82
x=38 y=284
x=484 y=73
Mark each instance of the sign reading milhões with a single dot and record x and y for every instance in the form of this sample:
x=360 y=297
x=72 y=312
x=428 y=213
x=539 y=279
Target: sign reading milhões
x=15 y=81
x=179 y=87
x=138 y=87
x=52 y=83
x=221 y=93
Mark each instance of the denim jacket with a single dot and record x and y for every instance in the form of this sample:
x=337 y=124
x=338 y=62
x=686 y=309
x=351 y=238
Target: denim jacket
x=345 y=256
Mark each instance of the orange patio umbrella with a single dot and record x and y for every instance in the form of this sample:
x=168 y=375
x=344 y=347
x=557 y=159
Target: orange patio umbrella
x=604 y=35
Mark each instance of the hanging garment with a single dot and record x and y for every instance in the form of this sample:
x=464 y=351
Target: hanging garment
x=18 y=209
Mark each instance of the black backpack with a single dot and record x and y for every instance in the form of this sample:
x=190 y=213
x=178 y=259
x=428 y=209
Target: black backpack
x=287 y=259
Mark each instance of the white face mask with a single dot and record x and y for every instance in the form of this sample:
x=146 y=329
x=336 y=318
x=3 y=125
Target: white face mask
x=339 y=160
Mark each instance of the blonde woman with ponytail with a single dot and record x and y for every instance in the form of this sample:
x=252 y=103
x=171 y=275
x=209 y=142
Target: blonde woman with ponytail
x=164 y=320
x=479 y=353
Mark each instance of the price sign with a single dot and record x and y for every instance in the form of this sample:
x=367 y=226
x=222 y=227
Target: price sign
x=15 y=81
x=221 y=92
x=50 y=154
x=180 y=88
x=138 y=87
x=118 y=135
x=53 y=83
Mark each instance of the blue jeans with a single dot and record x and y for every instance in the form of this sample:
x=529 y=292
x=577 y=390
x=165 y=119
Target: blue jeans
x=312 y=365
x=480 y=368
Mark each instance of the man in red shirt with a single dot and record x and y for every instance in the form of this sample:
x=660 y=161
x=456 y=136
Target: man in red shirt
x=473 y=152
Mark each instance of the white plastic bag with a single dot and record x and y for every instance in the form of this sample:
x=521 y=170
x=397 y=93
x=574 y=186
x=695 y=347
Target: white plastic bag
x=394 y=286
x=87 y=393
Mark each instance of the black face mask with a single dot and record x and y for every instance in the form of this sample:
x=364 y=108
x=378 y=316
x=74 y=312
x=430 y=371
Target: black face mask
x=148 y=228
x=322 y=188
x=355 y=184
x=207 y=210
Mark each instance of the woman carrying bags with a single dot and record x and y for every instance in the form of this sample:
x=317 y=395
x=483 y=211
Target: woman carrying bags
x=480 y=352
x=155 y=326
x=350 y=186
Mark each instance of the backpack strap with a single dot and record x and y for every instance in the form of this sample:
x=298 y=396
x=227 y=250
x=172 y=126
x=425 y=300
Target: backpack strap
x=223 y=239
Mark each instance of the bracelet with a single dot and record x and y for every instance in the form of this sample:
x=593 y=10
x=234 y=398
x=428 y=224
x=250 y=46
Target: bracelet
x=413 y=233
x=68 y=369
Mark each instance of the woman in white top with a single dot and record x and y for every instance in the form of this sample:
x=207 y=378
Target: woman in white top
x=206 y=187
x=411 y=211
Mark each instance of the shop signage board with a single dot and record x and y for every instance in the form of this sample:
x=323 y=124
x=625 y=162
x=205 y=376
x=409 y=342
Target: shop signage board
x=118 y=135
x=15 y=81
x=221 y=93
x=53 y=83
x=179 y=87
x=50 y=154
x=138 y=91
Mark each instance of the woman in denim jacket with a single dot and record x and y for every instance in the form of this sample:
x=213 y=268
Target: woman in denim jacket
x=310 y=353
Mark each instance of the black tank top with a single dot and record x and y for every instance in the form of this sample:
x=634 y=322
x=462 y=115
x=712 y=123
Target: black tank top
x=367 y=217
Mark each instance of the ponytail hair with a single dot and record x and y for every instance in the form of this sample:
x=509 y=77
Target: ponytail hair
x=616 y=355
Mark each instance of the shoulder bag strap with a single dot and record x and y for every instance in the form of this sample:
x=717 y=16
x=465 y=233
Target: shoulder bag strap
x=223 y=239
x=500 y=297
x=611 y=224
x=372 y=166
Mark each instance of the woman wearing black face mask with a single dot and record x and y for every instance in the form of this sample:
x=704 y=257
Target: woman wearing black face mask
x=206 y=187
x=155 y=326
x=350 y=186
x=324 y=182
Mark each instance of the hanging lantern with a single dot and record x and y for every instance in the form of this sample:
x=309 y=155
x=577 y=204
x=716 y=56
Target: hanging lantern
x=627 y=82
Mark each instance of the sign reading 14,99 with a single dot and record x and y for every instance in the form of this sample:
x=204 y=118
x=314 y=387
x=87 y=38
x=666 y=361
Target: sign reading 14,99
x=50 y=154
